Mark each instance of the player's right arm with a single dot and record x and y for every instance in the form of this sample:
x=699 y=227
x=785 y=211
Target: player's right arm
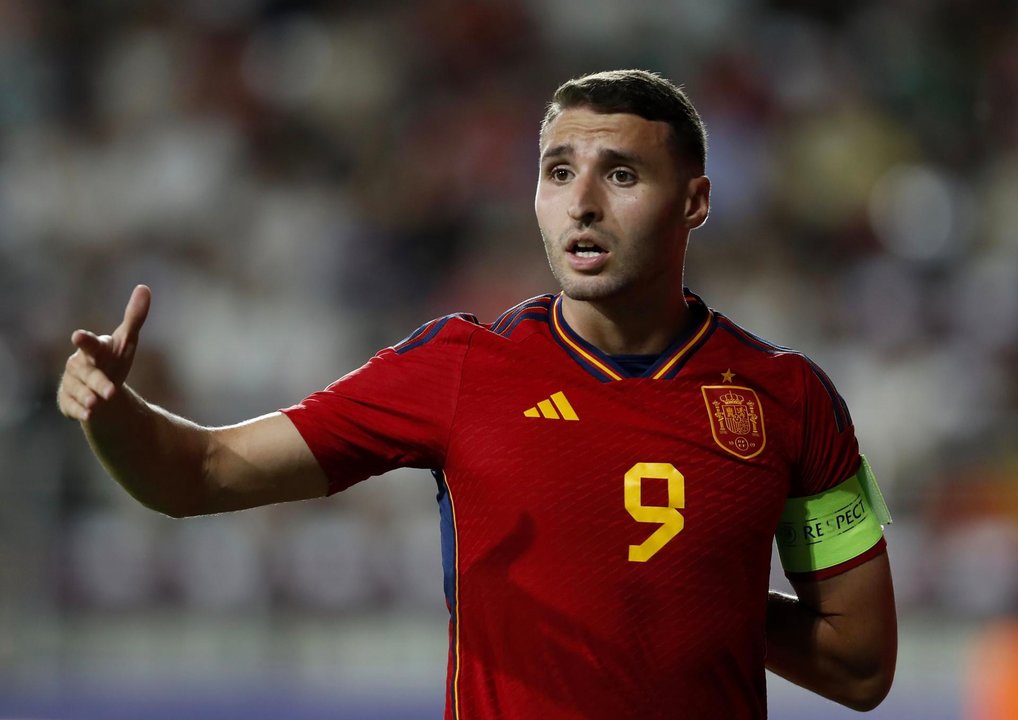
x=168 y=463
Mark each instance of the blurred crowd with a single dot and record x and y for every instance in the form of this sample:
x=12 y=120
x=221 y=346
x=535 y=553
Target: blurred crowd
x=302 y=183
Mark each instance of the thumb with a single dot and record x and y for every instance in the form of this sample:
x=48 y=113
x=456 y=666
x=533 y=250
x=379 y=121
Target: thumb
x=134 y=315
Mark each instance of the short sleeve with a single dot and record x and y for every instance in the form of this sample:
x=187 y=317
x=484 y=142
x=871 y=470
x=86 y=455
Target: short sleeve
x=829 y=451
x=394 y=411
x=828 y=456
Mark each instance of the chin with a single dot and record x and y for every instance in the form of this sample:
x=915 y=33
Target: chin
x=589 y=289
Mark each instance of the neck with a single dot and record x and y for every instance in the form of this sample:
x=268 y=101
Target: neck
x=636 y=326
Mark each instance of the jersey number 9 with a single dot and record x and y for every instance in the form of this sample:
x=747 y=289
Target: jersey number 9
x=668 y=517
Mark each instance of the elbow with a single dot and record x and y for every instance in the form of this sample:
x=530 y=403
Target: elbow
x=867 y=693
x=194 y=492
x=867 y=699
x=175 y=512
x=176 y=508
x=187 y=504
x=171 y=504
x=185 y=490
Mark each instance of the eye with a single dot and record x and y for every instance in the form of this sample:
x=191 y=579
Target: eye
x=622 y=176
x=559 y=174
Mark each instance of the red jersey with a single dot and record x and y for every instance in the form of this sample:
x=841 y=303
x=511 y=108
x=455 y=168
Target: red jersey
x=606 y=538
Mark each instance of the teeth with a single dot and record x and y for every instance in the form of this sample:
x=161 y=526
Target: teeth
x=587 y=253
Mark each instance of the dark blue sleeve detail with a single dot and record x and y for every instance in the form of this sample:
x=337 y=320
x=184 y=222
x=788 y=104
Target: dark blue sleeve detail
x=532 y=315
x=510 y=316
x=448 y=541
x=428 y=331
x=502 y=318
x=414 y=335
x=841 y=415
x=755 y=342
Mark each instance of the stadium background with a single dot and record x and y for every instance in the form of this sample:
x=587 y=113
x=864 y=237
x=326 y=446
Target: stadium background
x=302 y=183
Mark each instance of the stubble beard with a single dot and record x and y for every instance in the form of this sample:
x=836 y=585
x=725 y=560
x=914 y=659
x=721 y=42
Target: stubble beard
x=576 y=286
x=587 y=288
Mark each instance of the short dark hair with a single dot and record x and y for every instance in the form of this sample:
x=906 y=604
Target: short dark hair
x=641 y=93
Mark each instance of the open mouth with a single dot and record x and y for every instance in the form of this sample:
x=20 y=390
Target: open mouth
x=585 y=248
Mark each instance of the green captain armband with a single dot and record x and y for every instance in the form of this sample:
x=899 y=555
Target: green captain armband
x=821 y=531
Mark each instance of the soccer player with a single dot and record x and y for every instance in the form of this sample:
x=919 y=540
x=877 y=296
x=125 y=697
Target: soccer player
x=613 y=461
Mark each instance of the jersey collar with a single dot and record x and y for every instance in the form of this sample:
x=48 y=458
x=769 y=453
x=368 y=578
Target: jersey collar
x=604 y=368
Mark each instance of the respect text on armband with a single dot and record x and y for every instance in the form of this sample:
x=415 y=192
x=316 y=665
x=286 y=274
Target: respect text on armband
x=817 y=529
x=824 y=530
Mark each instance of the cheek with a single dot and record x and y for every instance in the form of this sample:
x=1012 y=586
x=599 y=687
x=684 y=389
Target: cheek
x=652 y=214
x=642 y=216
x=548 y=211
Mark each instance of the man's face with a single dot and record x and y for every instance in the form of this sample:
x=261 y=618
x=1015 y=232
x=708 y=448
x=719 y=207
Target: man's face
x=611 y=204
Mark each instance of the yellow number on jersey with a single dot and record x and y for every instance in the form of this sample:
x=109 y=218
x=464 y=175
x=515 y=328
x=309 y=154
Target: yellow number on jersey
x=669 y=517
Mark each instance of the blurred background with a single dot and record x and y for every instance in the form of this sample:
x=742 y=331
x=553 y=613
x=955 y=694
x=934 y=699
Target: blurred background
x=302 y=183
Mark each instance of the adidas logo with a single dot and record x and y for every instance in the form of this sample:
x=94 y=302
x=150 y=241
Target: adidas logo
x=554 y=408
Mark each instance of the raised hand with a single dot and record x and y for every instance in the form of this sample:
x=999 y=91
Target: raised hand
x=100 y=363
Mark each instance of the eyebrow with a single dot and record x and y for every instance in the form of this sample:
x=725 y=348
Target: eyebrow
x=607 y=154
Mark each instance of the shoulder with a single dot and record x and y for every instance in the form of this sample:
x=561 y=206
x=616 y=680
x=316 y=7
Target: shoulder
x=452 y=329
x=527 y=314
x=458 y=329
x=757 y=348
x=792 y=368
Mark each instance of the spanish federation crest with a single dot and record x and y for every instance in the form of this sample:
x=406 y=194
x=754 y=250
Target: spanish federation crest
x=736 y=419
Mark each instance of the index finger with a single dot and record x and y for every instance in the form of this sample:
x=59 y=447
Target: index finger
x=135 y=312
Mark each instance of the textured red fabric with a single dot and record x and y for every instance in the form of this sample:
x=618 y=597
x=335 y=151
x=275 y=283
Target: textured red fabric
x=549 y=616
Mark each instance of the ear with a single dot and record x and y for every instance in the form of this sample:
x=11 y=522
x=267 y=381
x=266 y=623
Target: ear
x=697 y=201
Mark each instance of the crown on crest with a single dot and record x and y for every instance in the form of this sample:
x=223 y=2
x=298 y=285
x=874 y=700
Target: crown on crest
x=731 y=398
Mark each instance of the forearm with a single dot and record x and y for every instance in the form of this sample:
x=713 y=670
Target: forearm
x=168 y=463
x=803 y=648
x=159 y=458
x=846 y=654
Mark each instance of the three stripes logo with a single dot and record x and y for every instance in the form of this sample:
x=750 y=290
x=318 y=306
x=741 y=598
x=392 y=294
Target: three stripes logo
x=554 y=408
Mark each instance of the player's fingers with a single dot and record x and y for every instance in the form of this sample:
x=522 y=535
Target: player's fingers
x=89 y=343
x=73 y=392
x=96 y=380
x=78 y=363
x=135 y=314
x=81 y=370
x=71 y=408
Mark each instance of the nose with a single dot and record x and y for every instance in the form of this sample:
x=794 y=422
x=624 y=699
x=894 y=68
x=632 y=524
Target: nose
x=585 y=203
